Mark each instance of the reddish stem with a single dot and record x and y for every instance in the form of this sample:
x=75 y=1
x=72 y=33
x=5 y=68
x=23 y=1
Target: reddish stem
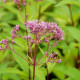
x=39 y=13
x=69 y=6
x=34 y=64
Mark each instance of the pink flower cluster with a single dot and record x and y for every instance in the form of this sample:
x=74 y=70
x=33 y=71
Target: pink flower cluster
x=52 y=58
x=15 y=32
x=38 y=32
x=5 y=1
x=44 y=30
x=21 y=2
x=4 y=42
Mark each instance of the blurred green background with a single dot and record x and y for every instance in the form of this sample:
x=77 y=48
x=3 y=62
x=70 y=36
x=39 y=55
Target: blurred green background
x=66 y=13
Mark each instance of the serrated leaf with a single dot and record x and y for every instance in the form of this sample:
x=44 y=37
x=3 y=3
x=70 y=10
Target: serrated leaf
x=21 y=43
x=22 y=63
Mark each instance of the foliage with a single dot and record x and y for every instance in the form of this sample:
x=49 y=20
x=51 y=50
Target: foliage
x=14 y=68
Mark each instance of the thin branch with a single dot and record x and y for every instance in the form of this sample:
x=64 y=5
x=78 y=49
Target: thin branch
x=40 y=59
x=42 y=63
x=20 y=55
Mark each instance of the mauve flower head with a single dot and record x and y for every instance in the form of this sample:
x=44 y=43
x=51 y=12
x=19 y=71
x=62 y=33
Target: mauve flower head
x=24 y=2
x=5 y=42
x=59 y=60
x=45 y=29
x=5 y=1
x=1 y=48
x=15 y=1
x=54 y=54
x=17 y=27
x=15 y=32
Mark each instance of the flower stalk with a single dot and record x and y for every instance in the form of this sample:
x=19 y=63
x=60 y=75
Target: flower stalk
x=34 y=64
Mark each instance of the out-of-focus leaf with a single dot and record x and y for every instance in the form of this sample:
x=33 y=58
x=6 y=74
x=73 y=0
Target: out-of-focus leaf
x=16 y=22
x=32 y=11
x=75 y=12
x=3 y=66
x=50 y=66
x=59 y=74
x=45 y=6
x=3 y=55
x=73 y=49
x=11 y=76
x=13 y=70
x=72 y=72
x=52 y=1
x=13 y=10
x=70 y=78
x=58 y=13
x=1 y=2
x=75 y=2
x=75 y=33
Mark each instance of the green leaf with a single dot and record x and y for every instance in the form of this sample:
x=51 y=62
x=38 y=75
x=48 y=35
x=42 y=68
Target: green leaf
x=16 y=22
x=13 y=70
x=72 y=72
x=11 y=76
x=21 y=43
x=69 y=78
x=1 y=2
x=73 y=49
x=41 y=50
x=59 y=74
x=50 y=66
x=22 y=63
x=58 y=13
x=75 y=2
x=45 y=6
x=75 y=33
x=3 y=66
x=13 y=10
